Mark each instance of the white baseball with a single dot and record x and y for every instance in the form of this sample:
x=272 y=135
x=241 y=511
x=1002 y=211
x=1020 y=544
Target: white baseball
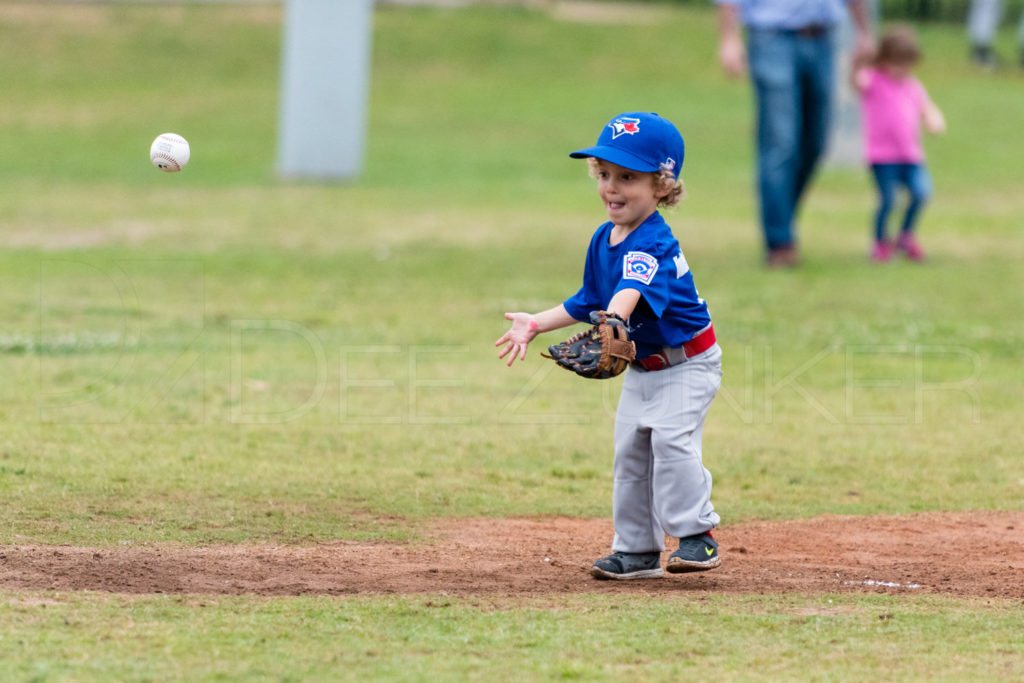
x=169 y=152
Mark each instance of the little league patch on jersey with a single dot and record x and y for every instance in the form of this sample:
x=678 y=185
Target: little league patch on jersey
x=624 y=126
x=639 y=266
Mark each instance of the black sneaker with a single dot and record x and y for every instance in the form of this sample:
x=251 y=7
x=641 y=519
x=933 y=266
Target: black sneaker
x=623 y=566
x=696 y=554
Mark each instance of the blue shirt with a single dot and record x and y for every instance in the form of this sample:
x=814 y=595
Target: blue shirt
x=788 y=14
x=670 y=311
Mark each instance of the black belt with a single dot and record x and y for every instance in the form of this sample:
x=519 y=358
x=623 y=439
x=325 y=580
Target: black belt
x=814 y=31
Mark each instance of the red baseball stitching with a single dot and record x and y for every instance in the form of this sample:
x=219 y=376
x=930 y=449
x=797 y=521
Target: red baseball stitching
x=161 y=155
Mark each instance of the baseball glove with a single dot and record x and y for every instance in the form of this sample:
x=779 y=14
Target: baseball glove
x=600 y=352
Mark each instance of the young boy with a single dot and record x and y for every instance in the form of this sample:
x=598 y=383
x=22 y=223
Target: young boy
x=635 y=268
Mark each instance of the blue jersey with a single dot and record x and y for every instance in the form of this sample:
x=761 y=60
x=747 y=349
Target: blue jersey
x=670 y=311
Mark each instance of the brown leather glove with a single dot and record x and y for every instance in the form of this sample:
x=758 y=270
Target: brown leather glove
x=600 y=352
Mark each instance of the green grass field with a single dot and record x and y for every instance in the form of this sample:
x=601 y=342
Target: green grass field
x=219 y=357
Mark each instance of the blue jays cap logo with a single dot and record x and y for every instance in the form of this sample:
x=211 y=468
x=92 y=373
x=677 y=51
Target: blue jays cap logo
x=659 y=146
x=624 y=126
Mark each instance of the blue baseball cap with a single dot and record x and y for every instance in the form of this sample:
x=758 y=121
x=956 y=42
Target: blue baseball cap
x=639 y=141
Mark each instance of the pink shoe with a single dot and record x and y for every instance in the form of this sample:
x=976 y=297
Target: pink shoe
x=882 y=251
x=907 y=243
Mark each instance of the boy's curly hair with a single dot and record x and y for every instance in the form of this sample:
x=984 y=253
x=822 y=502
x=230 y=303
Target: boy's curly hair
x=664 y=181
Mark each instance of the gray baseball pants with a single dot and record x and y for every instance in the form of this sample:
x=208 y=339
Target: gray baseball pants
x=661 y=485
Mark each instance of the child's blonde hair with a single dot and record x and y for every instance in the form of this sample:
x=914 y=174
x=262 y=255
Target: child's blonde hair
x=664 y=181
x=899 y=46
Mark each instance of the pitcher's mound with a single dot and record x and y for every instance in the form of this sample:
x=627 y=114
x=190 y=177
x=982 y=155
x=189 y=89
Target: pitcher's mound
x=963 y=553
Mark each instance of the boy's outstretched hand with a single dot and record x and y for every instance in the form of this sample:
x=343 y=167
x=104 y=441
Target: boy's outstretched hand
x=518 y=337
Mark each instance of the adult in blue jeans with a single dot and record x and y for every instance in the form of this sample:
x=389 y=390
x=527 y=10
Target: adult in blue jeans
x=790 y=52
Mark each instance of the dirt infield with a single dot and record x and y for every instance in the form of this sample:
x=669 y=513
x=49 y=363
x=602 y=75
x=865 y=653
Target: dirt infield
x=963 y=554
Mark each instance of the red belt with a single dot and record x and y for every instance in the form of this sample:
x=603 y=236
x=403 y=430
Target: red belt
x=699 y=344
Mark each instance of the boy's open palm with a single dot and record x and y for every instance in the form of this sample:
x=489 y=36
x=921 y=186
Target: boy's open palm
x=518 y=337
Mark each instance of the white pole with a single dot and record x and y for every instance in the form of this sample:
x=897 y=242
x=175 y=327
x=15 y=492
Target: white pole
x=325 y=75
x=846 y=140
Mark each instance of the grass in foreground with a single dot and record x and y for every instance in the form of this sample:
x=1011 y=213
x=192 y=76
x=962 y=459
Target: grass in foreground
x=91 y=636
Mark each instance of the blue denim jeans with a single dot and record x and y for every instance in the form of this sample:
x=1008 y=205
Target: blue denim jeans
x=794 y=80
x=888 y=178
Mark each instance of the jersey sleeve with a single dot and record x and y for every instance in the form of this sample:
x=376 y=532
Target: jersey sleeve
x=579 y=305
x=650 y=273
